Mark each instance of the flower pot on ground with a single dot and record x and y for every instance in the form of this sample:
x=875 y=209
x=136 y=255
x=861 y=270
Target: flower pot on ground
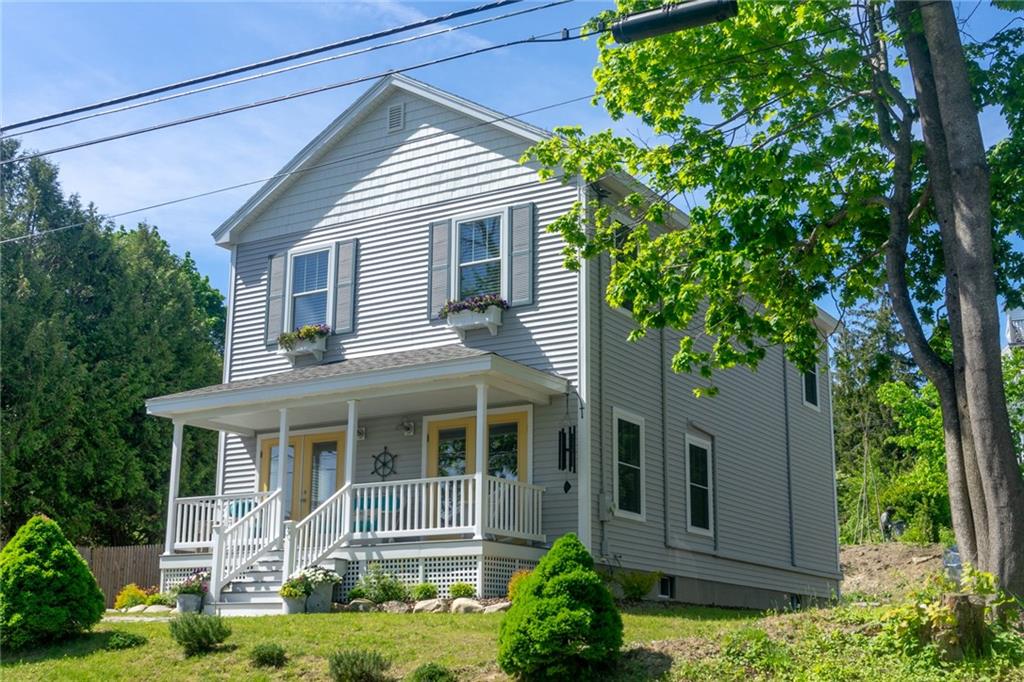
x=190 y=592
x=310 y=339
x=293 y=604
x=189 y=603
x=476 y=312
x=321 y=582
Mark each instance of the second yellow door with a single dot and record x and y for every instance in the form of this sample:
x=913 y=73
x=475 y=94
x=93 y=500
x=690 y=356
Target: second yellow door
x=315 y=470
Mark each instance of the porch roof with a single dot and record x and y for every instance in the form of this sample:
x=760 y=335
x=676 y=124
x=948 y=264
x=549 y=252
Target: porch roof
x=436 y=374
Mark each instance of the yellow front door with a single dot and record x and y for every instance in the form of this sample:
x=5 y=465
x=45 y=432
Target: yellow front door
x=315 y=470
x=451 y=446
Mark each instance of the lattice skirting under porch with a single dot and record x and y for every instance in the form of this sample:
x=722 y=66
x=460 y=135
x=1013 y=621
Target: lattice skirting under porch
x=443 y=572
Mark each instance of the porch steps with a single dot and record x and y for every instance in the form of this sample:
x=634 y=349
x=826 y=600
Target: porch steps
x=255 y=592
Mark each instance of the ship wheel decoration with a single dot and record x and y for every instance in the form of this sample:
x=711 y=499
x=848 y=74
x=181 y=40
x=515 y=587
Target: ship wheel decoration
x=384 y=463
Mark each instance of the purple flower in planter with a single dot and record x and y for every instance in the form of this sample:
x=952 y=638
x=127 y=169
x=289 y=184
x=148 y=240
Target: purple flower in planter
x=476 y=304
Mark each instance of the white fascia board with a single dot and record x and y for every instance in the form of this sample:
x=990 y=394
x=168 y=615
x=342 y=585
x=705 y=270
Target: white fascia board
x=402 y=379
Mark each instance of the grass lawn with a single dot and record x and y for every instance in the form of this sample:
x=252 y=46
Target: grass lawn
x=466 y=642
x=672 y=643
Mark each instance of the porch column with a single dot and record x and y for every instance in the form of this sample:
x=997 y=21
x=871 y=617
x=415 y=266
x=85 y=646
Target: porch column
x=282 y=463
x=172 y=490
x=351 y=433
x=481 y=458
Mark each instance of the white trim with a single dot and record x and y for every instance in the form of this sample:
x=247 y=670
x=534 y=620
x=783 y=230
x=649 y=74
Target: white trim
x=503 y=250
x=707 y=446
x=226 y=370
x=332 y=263
x=619 y=414
x=297 y=432
x=528 y=408
x=817 y=388
x=500 y=372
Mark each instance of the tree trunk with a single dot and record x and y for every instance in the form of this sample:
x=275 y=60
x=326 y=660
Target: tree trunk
x=966 y=495
x=983 y=376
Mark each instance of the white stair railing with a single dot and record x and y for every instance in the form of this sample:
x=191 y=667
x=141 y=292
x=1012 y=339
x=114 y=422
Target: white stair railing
x=238 y=546
x=310 y=540
x=514 y=509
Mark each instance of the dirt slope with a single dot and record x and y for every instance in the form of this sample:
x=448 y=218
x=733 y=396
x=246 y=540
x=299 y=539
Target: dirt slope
x=889 y=570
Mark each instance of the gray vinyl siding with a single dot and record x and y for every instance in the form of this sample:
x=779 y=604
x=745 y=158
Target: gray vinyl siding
x=746 y=425
x=387 y=201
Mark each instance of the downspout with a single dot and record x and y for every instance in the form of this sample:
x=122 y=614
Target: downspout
x=789 y=468
x=832 y=450
x=584 y=481
x=664 y=436
x=600 y=402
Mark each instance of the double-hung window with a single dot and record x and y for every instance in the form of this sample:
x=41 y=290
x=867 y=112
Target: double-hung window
x=628 y=444
x=811 y=388
x=479 y=256
x=309 y=291
x=699 y=486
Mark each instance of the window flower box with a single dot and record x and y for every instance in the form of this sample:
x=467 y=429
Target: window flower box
x=477 y=312
x=308 y=340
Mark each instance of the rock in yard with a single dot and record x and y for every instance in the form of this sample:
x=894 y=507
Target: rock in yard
x=466 y=605
x=430 y=606
x=395 y=607
x=499 y=607
x=361 y=605
x=158 y=608
x=139 y=608
x=173 y=612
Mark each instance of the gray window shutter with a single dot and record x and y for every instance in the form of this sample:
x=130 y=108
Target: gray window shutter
x=439 y=287
x=522 y=231
x=345 y=288
x=275 y=297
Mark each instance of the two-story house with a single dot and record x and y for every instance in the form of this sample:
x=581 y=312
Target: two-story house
x=456 y=450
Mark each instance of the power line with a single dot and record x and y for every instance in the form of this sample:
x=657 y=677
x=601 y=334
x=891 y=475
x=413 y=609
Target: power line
x=285 y=174
x=220 y=190
x=294 y=95
x=293 y=67
x=266 y=62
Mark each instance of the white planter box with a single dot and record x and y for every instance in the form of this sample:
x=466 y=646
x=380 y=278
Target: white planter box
x=465 y=320
x=315 y=347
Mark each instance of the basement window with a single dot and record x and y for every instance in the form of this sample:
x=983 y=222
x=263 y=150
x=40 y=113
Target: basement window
x=667 y=587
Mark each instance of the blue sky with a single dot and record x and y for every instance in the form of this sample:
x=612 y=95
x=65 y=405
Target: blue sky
x=59 y=55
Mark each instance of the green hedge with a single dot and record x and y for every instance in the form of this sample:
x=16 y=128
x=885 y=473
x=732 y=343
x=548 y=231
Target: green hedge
x=563 y=623
x=47 y=592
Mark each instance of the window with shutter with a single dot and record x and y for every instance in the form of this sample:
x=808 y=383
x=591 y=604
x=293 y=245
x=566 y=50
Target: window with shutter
x=308 y=288
x=479 y=257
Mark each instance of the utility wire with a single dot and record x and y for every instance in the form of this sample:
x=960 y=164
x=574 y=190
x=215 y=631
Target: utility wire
x=292 y=67
x=284 y=174
x=379 y=149
x=301 y=93
x=266 y=62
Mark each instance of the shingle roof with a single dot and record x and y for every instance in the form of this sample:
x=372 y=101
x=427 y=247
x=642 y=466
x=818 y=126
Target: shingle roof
x=409 y=358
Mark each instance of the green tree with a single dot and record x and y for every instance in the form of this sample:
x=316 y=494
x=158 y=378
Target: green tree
x=47 y=592
x=823 y=173
x=94 y=321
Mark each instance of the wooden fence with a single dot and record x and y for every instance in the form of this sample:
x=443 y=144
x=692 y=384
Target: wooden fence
x=115 y=567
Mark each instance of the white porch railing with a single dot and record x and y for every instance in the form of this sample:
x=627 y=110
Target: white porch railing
x=420 y=507
x=513 y=509
x=195 y=517
x=239 y=545
x=310 y=540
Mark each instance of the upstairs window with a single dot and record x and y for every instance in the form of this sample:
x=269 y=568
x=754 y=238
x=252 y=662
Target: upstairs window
x=479 y=256
x=699 y=486
x=628 y=443
x=309 y=291
x=811 y=388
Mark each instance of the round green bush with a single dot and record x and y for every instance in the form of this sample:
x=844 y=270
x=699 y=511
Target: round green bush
x=358 y=665
x=120 y=639
x=268 y=655
x=461 y=590
x=198 y=633
x=563 y=623
x=47 y=592
x=432 y=672
x=423 y=591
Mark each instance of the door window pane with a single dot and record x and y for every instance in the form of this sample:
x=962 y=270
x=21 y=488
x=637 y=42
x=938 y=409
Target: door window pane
x=325 y=472
x=275 y=462
x=503 y=450
x=451 y=452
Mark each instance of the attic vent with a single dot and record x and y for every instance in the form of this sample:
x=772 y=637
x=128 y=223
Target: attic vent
x=396 y=117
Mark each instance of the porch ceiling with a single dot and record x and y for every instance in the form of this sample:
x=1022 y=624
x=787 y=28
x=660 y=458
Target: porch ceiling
x=411 y=382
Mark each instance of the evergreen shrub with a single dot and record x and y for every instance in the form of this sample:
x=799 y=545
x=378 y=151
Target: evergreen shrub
x=563 y=623
x=197 y=633
x=47 y=592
